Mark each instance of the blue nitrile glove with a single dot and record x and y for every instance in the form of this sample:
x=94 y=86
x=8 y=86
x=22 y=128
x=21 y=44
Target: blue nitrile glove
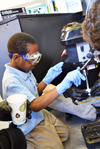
x=74 y=76
x=53 y=72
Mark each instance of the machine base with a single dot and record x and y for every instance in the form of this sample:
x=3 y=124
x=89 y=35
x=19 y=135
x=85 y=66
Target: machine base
x=91 y=133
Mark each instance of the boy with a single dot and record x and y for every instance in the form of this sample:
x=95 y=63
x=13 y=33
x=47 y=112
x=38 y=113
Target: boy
x=43 y=130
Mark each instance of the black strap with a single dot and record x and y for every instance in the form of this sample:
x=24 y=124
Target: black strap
x=12 y=138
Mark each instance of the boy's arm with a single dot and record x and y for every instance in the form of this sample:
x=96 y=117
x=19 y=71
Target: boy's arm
x=41 y=87
x=43 y=101
x=52 y=73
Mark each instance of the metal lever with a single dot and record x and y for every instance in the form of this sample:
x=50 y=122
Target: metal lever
x=85 y=64
x=84 y=71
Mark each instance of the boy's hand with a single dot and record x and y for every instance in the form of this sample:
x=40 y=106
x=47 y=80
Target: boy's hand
x=53 y=72
x=74 y=76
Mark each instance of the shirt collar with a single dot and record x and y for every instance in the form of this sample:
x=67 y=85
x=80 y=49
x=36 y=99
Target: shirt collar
x=22 y=74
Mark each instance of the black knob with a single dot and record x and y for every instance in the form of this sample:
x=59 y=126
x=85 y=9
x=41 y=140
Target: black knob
x=82 y=48
x=84 y=57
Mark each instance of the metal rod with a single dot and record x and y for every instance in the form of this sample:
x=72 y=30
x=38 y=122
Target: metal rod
x=87 y=83
x=85 y=64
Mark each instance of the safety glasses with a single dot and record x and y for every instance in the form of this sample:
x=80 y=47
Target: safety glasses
x=34 y=58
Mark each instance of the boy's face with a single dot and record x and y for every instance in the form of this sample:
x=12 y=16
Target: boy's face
x=23 y=65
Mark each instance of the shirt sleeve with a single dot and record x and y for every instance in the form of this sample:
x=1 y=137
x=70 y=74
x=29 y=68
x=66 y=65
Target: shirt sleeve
x=19 y=88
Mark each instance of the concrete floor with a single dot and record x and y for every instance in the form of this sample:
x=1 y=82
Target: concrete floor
x=76 y=139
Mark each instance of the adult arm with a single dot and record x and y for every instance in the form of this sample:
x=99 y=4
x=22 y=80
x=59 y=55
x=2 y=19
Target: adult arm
x=41 y=86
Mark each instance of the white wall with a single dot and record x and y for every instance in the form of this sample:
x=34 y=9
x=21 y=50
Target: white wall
x=4 y=4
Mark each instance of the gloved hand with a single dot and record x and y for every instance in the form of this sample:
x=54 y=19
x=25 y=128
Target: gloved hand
x=28 y=111
x=5 y=111
x=95 y=90
x=4 y=107
x=75 y=94
x=74 y=76
x=53 y=72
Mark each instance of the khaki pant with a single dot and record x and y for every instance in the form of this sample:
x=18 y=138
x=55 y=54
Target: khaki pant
x=49 y=134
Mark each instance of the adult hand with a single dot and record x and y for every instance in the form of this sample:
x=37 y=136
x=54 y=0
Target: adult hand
x=5 y=111
x=4 y=107
x=53 y=72
x=74 y=76
x=75 y=94
x=95 y=90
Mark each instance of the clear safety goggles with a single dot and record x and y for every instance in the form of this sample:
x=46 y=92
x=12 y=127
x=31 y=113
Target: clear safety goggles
x=33 y=58
x=96 y=55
